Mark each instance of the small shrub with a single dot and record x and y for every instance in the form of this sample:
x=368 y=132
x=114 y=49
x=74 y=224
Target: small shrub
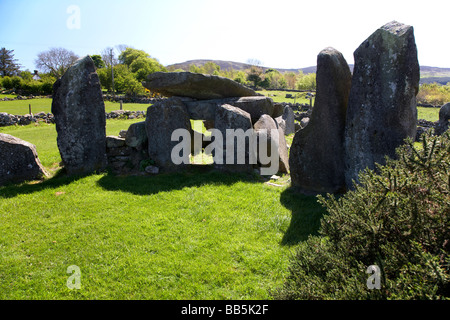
x=46 y=87
x=7 y=83
x=16 y=82
x=145 y=163
x=397 y=219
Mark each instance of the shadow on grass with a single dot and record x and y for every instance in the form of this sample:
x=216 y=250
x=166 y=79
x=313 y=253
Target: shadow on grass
x=307 y=213
x=59 y=179
x=194 y=175
x=306 y=210
x=140 y=185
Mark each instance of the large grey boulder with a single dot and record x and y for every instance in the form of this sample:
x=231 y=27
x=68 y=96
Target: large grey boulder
x=137 y=135
x=19 y=161
x=203 y=109
x=80 y=119
x=163 y=118
x=382 y=110
x=278 y=110
x=195 y=85
x=238 y=153
x=444 y=118
x=267 y=129
x=256 y=106
x=317 y=152
x=281 y=123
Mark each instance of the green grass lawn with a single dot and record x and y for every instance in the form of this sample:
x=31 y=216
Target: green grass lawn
x=199 y=234
x=20 y=107
x=43 y=136
x=11 y=96
x=430 y=114
x=280 y=96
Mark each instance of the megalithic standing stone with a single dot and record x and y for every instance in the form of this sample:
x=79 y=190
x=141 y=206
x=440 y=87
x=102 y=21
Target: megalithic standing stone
x=382 y=109
x=165 y=119
x=79 y=112
x=317 y=153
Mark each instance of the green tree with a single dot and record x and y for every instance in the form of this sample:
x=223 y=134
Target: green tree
x=291 y=79
x=17 y=82
x=229 y=73
x=211 y=68
x=306 y=82
x=98 y=61
x=276 y=79
x=195 y=69
x=8 y=65
x=130 y=54
x=140 y=63
x=129 y=85
x=124 y=80
x=254 y=75
x=7 y=83
x=104 y=74
x=241 y=77
x=26 y=75
x=142 y=67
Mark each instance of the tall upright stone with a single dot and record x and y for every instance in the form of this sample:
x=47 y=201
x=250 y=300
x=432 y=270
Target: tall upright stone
x=289 y=120
x=163 y=119
x=382 y=109
x=79 y=112
x=266 y=130
x=317 y=152
x=235 y=126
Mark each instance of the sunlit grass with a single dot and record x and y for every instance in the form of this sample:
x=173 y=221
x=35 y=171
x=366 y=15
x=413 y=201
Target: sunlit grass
x=430 y=114
x=280 y=96
x=21 y=107
x=198 y=234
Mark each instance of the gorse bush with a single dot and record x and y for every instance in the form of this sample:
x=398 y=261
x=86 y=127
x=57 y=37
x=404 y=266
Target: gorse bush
x=397 y=218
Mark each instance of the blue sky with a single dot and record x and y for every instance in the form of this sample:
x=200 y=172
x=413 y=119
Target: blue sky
x=279 y=33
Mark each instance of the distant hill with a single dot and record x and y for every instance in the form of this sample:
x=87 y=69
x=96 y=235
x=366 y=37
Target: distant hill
x=434 y=74
x=231 y=65
x=427 y=74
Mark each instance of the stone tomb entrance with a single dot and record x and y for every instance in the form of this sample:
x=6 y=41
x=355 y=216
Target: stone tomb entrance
x=222 y=132
x=207 y=125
